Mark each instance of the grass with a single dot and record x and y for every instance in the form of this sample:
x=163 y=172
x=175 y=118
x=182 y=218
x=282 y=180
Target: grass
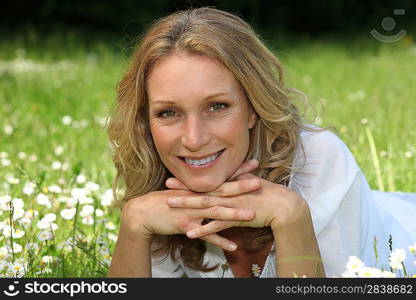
x=367 y=88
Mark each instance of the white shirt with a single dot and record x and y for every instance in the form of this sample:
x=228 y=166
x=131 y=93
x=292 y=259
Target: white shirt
x=345 y=216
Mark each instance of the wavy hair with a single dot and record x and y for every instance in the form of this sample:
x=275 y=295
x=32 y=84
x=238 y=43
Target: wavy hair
x=224 y=37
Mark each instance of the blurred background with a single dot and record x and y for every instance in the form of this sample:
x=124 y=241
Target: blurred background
x=61 y=60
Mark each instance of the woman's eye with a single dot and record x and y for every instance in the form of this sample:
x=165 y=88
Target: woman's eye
x=219 y=105
x=165 y=113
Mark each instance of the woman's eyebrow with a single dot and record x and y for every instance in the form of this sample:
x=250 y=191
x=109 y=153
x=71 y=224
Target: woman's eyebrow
x=206 y=98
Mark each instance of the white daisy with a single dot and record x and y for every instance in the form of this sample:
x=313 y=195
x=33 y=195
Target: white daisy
x=86 y=210
x=107 y=198
x=54 y=189
x=68 y=213
x=29 y=188
x=92 y=186
x=354 y=264
x=369 y=272
x=45 y=235
x=42 y=199
x=51 y=217
x=81 y=179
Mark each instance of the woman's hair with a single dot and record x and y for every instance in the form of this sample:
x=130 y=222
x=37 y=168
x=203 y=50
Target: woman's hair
x=226 y=38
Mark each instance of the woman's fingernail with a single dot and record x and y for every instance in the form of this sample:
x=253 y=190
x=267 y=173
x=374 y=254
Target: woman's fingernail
x=191 y=234
x=231 y=247
x=170 y=181
x=173 y=201
x=252 y=183
x=252 y=162
x=248 y=214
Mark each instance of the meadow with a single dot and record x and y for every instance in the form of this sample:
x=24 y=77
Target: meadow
x=56 y=207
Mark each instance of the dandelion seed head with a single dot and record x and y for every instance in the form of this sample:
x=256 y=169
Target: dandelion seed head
x=56 y=165
x=81 y=179
x=33 y=158
x=66 y=120
x=5 y=162
x=383 y=153
x=22 y=155
x=59 y=150
x=8 y=129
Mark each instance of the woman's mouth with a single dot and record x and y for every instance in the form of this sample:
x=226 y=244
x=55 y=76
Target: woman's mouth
x=202 y=163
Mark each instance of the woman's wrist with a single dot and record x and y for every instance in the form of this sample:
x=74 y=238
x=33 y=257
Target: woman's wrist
x=297 y=216
x=133 y=225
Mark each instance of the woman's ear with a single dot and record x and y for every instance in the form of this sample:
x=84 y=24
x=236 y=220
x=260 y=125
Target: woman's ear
x=252 y=118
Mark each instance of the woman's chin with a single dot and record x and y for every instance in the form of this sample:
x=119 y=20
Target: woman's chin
x=203 y=187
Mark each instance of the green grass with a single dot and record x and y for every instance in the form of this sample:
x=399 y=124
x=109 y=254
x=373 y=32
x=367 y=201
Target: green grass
x=44 y=78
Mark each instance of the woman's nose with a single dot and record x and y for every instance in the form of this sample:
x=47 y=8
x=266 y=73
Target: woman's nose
x=195 y=134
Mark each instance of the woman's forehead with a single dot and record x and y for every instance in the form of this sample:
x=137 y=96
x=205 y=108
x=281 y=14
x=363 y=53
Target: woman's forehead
x=189 y=75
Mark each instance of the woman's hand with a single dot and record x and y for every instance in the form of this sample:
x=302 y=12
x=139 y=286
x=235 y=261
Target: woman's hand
x=150 y=214
x=273 y=204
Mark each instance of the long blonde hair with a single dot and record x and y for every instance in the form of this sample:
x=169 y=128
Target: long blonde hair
x=224 y=37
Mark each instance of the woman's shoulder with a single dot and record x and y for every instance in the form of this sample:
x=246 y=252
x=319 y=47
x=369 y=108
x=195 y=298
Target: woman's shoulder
x=323 y=150
x=322 y=143
x=323 y=138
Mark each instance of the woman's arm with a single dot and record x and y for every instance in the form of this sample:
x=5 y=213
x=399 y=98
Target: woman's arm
x=145 y=216
x=131 y=256
x=297 y=251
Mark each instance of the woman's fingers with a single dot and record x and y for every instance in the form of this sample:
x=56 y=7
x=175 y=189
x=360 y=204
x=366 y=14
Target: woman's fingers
x=204 y=201
x=236 y=187
x=209 y=229
x=175 y=184
x=215 y=238
x=220 y=241
x=247 y=166
x=223 y=213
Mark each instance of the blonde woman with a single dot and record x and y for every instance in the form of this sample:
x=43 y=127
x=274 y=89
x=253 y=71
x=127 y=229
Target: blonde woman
x=221 y=176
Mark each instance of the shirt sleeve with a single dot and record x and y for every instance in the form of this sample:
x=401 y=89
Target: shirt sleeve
x=331 y=182
x=163 y=266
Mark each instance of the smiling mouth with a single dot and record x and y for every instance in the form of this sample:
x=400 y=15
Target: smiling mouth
x=201 y=162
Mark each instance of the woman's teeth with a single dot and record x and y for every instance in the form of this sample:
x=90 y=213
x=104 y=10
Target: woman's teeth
x=202 y=161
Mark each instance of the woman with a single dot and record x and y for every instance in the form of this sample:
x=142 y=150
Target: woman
x=252 y=191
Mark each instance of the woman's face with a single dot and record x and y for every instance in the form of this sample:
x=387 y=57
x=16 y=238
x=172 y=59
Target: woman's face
x=196 y=109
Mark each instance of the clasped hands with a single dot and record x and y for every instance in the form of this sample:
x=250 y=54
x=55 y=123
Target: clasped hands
x=244 y=200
